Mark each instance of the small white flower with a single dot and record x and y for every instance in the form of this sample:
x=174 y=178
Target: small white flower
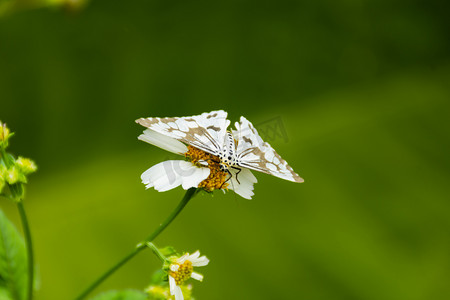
x=181 y=269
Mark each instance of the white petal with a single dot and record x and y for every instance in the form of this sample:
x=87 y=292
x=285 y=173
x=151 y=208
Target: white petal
x=162 y=176
x=192 y=175
x=171 y=173
x=197 y=276
x=194 y=255
x=245 y=186
x=174 y=267
x=178 y=293
x=172 y=285
x=183 y=258
x=162 y=141
x=200 y=262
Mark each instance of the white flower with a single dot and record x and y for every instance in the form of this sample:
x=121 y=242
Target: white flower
x=218 y=158
x=201 y=171
x=181 y=269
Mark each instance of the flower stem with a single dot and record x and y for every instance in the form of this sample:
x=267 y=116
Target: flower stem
x=142 y=245
x=29 y=245
x=156 y=251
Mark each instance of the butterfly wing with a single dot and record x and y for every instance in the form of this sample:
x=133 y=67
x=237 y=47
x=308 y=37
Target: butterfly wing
x=206 y=131
x=255 y=154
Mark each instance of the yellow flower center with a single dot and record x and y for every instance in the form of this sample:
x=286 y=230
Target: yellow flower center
x=183 y=273
x=217 y=178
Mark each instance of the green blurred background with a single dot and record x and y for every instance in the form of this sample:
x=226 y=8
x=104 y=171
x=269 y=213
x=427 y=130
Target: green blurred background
x=361 y=88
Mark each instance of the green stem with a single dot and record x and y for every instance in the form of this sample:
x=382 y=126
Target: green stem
x=156 y=251
x=29 y=245
x=141 y=246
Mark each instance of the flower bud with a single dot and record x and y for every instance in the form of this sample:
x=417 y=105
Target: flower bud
x=26 y=165
x=5 y=134
x=12 y=175
x=158 y=292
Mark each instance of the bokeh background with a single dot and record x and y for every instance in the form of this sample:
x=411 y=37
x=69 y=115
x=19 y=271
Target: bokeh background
x=360 y=94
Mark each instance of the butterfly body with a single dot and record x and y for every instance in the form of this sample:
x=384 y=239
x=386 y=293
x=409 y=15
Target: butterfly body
x=227 y=153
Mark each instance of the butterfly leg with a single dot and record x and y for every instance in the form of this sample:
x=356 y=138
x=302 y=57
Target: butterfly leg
x=239 y=171
x=228 y=171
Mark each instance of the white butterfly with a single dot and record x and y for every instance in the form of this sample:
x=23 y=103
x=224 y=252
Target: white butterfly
x=237 y=149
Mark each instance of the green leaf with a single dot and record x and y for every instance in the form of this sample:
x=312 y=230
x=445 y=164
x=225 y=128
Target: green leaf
x=168 y=251
x=13 y=262
x=121 y=295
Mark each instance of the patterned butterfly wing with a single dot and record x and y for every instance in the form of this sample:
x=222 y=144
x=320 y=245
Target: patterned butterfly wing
x=255 y=154
x=206 y=131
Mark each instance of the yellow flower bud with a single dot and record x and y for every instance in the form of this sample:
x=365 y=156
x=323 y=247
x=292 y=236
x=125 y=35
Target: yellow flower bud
x=5 y=134
x=4 y=131
x=26 y=165
x=12 y=175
